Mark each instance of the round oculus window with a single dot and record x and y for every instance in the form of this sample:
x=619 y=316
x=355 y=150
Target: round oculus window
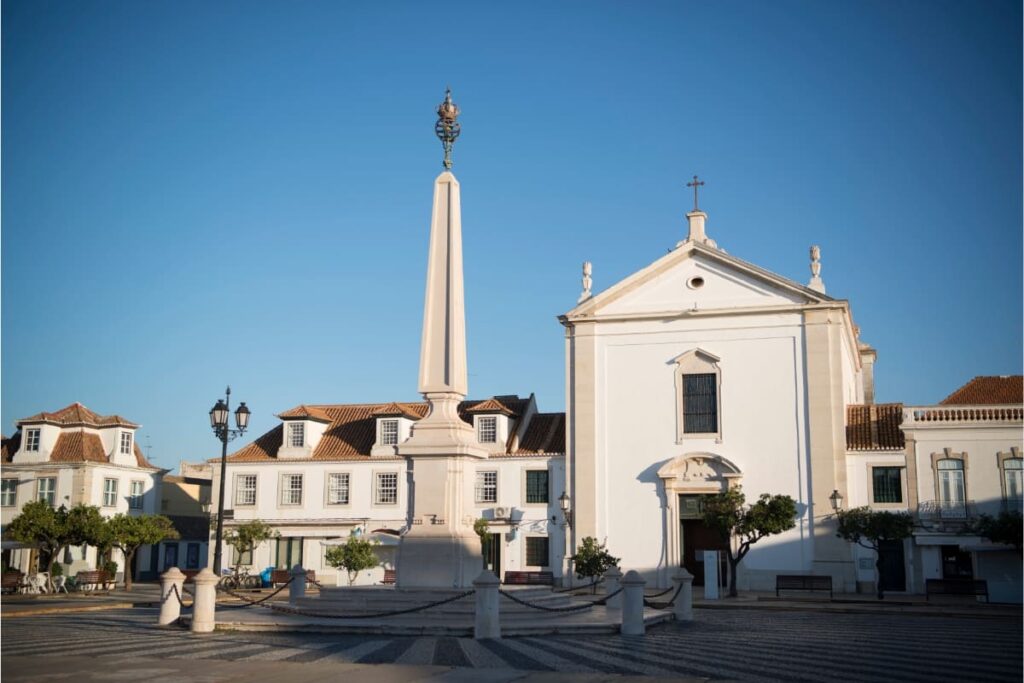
x=695 y=282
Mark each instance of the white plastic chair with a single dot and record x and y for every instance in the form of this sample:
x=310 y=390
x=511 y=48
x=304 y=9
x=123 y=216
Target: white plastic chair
x=60 y=584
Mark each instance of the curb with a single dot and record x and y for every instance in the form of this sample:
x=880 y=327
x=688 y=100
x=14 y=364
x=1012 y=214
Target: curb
x=67 y=610
x=836 y=609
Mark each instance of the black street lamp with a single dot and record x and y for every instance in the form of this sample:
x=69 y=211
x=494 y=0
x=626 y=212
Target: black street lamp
x=219 y=422
x=836 y=499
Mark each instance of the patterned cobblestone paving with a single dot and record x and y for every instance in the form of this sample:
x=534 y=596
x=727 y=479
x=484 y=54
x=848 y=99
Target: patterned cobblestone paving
x=748 y=645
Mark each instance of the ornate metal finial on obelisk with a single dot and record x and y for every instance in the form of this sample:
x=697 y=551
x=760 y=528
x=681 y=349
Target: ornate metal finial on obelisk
x=447 y=127
x=816 y=283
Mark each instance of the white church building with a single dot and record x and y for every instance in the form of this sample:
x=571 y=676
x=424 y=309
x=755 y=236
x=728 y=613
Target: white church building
x=699 y=372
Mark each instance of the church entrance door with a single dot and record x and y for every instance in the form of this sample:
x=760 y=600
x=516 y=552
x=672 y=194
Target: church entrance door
x=695 y=537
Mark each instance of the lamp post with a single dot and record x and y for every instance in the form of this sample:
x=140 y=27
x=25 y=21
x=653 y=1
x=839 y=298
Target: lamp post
x=563 y=504
x=219 y=423
x=836 y=499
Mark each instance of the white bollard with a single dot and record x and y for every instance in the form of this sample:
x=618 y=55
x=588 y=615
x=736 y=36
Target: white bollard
x=487 y=623
x=612 y=577
x=297 y=588
x=683 y=607
x=632 y=604
x=171 y=594
x=204 y=604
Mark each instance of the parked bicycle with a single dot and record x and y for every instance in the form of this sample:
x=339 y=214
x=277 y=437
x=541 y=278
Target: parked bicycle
x=239 y=577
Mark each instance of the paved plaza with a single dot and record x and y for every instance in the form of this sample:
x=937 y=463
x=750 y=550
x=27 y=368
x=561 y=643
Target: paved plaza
x=748 y=645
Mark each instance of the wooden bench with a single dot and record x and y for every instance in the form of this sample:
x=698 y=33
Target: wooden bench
x=802 y=582
x=283 y=576
x=92 y=579
x=955 y=587
x=11 y=582
x=529 y=578
x=389 y=577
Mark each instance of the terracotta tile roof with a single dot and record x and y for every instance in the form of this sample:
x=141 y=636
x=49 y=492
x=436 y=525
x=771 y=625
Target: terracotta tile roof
x=9 y=446
x=140 y=459
x=992 y=390
x=78 y=447
x=545 y=434
x=399 y=410
x=353 y=430
x=76 y=414
x=874 y=427
x=491 y=406
x=305 y=412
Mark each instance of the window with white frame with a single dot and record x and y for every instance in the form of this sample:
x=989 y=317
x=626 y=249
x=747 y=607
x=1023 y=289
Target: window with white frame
x=385 y=490
x=487 y=486
x=537 y=551
x=109 y=493
x=337 y=488
x=389 y=432
x=32 y=440
x=126 y=443
x=291 y=489
x=951 y=487
x=8 y=492
x=135 y=499
x=487 y=429
x=536 y=486
x=46 y=489
x=296 y=434
x=245 y=489
x=1013 y=482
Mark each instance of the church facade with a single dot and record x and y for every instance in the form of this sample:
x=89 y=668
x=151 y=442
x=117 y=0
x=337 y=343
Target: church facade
x=699 y=372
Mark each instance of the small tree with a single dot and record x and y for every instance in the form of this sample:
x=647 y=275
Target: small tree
x=870 y=528
x=482 y=530
x=52 y=530
x=355 y=555
x=248 y=536
x=592 y=559
x=728 y=514
x=1007 y=528
x=128 y=533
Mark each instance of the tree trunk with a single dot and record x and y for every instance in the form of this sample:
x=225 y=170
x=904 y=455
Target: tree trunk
x=878 y=573
x=128 y=557
x=733 y=567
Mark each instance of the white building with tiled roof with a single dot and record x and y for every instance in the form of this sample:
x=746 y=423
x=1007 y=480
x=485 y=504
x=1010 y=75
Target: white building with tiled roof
x=946 y=464
x=74 y=456
x=328 y=470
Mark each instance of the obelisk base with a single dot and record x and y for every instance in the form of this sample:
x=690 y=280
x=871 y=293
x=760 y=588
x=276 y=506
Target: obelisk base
x=437 y=558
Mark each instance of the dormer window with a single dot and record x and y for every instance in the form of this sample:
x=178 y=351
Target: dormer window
x=389 y=432
x=126 y=443
x=487 y=429
x=296 y=434
x=32 y=440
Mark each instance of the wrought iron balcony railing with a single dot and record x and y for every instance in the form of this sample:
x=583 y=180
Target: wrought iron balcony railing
x=947 y=511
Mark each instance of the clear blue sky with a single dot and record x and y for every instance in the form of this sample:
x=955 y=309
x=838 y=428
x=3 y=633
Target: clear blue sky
x=197 y=194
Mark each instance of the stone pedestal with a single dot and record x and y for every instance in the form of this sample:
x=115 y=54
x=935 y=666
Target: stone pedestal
x=487 y=623
x=612 y=577
x=632 y=604
x=204 y=606
x=172 y=582
x=297 y=587
x=682 y=582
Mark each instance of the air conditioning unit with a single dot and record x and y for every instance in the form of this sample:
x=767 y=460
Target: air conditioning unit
x=501 y=512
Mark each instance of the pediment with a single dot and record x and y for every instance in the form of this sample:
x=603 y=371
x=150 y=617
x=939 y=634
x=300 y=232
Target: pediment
x=698 y=468
x=695 y=277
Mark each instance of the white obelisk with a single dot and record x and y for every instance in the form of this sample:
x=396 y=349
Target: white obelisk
x=441 y=550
